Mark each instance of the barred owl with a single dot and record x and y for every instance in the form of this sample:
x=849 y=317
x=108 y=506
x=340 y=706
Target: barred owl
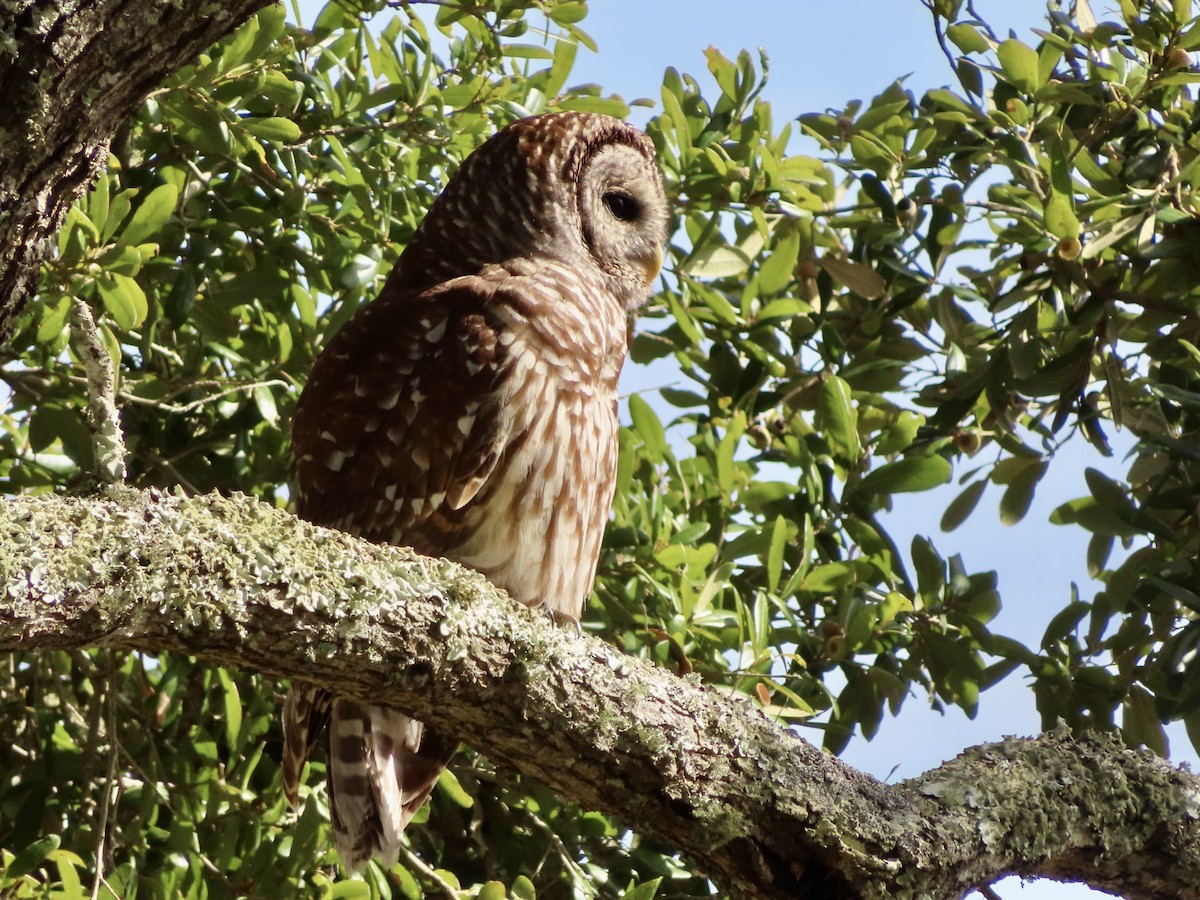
x=470 y=412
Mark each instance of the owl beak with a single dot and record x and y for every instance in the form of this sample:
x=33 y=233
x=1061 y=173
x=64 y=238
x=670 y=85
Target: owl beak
x=653 y=264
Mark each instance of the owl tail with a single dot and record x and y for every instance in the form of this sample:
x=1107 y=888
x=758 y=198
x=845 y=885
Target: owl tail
x=382 y=766
x=305 y=714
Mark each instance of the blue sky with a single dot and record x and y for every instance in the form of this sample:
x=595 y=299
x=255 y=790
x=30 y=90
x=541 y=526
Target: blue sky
x=824 y=54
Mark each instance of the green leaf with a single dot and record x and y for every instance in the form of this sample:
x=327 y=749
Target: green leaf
x=1099 y=549
x=967 y=38
x=273 y=128
x=1018 y=496
x=1064 y=622
x=1060 y=217
x=449 y=877
x=861 y=279
x=644 y=891
x=930 y=568
x=564 y=61
x=179 y=300
x=528 y=51
x=828 y=578
x=118 y=209
x=717 y=261
x=647 y=426
x=1176 y=592
x=726 y=450
x=913 y=473
x=682 y=399
x=679 y=556
x=523 y=889
x=1107 y=492
x=963 y=505
x=31 y=857
x=231 y=702
x=151 y=215
x=67 y=864
x=837 y=419
x=1019 y=63
x=124 y=299
x=449 y=785
x=1097 y=519
x=608 y=106
x=1048 y=57
x=982 y=606
x=776 y=270
x=1190 y=39
x=54 y=320
x=347 y=889
x=264 y=399
x=779 y=533
x=880 y=195
x=97 y=201
x=1140 y=723
x=723 y=71
x=568 y=13
x=1024 y=342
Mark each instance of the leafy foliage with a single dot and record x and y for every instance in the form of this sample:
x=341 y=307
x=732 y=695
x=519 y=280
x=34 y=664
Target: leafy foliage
x=954 y=284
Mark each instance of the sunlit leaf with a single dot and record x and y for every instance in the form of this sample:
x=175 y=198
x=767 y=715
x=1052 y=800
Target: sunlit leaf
x=967 y=38
x=1019 y=62
x=775 y=557
x=273 y=128
x=1060 y=217
x=124 y=299
x=913 y=473
x=151 y=214
x=647 y=426
x=838 y=418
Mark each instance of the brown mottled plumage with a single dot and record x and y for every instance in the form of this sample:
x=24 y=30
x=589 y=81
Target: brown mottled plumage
x=470 y=412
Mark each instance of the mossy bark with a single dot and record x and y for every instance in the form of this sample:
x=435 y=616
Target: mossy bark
x=71 y=73
x=761 y=811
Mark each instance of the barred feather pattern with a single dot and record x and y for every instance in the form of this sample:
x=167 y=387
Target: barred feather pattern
x=470 y=412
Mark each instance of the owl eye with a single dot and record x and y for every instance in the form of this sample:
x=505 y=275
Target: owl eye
x=622 y=206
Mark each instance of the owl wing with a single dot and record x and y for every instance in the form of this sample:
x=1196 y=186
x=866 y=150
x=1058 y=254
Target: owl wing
x=401 y=421
x=398 y=428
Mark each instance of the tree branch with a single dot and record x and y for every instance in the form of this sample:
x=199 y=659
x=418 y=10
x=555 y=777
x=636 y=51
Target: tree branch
x=761 y=811
x=71 y=73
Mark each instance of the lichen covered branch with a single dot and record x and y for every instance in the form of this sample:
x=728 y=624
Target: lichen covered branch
x=103 y=416
x=761 y=811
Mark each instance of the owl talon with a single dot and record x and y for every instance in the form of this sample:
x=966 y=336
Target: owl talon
x=562 y=619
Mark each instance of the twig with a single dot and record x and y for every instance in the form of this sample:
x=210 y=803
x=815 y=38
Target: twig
x=978 y=20
x=988 y=894
x=110 y=778
x=196 y=404
x=412 y=860
x=169 y=468
x=577 y=874
x=940 y=34
x=102 y=408
x=162 y=404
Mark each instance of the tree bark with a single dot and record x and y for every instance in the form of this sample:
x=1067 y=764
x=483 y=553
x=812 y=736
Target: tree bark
x=759 y=810
x=71 y=73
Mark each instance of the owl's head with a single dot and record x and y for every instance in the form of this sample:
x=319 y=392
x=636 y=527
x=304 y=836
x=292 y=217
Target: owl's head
x=581 y=188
